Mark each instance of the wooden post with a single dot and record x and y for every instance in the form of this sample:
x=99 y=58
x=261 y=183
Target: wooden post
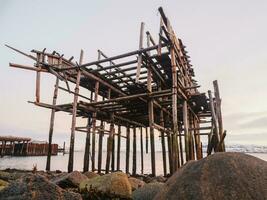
x=134 y=151
x=219 y=113
x=186 y=134
x=139 y=61
x=87 y=147
x=163 y=144
x=169 y=137
x=100 y=144
x=146 y=140
x=51 y=129
x=113 y=152
x=181 y=143
x=118 y=148
x=64 y=148
x=74 y=113
x=110 y=141
x=38 y=77
x=142 y=150
x=214 y=120
x=94 y=127
x=175 y=144
x=151 y=117
x=127 y=148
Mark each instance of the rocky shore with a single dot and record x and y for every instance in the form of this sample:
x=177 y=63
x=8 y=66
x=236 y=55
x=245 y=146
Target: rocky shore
x=220 y=176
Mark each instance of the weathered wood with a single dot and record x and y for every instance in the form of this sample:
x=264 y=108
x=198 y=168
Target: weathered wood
x=51 y=127
x=186 y=132
x=127 y=149
x=100 y=144
x=94 y=126
x=87 y=147
x=175 y=153
x=74 y=113
x=139 y=59
x=110 y=142
x=142 y=150
x=118 y=148
x=146 y=140
x=134 y=151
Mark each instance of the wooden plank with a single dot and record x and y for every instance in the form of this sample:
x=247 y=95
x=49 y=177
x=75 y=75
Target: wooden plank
x=186 y=131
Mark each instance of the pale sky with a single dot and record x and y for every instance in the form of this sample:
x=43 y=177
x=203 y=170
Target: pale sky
x=227 y=41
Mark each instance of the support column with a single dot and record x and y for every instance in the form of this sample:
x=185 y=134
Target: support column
x=94 y=127
x=186 y=134
x=119 y=148
x=51 y=128
x=142 y=150
x=74 y=113
x=87 y=146
x=151 y=117
x=175 y=153
x=134 y=151
x=127 y=148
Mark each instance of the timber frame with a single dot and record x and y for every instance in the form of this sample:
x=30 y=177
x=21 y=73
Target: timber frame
x=150 y=90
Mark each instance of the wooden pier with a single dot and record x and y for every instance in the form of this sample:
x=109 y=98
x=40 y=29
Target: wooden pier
x=135 y=96
x=19 y=146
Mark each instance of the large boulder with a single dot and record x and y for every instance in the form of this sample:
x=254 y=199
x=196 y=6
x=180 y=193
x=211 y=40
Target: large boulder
x=36 y=187
x=114 y=185
x=91 y=174
x=220 y=176
x=9 y=176
x=148 y=191
x=136 y=183
x=3 y=184
x=68 y=180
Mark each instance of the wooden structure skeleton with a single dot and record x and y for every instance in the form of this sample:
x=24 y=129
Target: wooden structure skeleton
x=148 y=90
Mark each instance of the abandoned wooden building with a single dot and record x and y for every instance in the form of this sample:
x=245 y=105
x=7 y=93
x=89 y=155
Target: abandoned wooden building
x=148 y=92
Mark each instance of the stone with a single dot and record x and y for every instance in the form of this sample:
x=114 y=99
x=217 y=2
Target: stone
x=72 y=179
x=113 y=185
x=3 y=184
x=8 y=176
x=36 y=187
x=136 y=183
x=91 y=174
x=148 y=191
x=219 y=176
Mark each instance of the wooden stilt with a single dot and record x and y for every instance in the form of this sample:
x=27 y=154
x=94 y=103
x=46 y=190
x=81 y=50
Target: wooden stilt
x=100 y=144
x=73 y=122
x=146 y=140
x=110 y=141
x=175 y=144
x=118 y=148
x=151 y=118
x=142 y=150
x=113 y=152
x=134 y=151
x=94 y=127
x=87 y=147
x=186 y=133
x=163 y=144
x=51 y=129
x=181 y=144
x=127 y=148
